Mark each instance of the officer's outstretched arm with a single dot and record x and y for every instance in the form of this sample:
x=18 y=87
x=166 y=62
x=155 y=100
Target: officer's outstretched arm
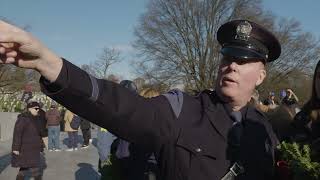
x=129 y=116
x=101 y=102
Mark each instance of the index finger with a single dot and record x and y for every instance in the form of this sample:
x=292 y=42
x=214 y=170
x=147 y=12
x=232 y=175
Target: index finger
x=11 y=34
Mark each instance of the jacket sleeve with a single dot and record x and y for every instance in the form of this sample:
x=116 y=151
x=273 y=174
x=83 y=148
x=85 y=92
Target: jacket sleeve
x=59 y=116
x=126 y=115
x=17 y=134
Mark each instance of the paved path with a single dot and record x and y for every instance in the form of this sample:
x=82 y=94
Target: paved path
x=77 y=165
x=5 y=148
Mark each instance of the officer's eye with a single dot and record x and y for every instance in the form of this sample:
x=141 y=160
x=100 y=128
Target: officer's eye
x=228 y=60
x=241 y=61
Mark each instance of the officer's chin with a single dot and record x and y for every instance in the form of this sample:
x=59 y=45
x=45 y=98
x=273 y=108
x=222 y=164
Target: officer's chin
x=226 y=93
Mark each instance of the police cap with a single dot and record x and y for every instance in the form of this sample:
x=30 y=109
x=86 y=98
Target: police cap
x=247 y=40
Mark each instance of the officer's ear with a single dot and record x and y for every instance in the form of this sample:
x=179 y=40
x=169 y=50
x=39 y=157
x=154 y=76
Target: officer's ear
x=262 y=75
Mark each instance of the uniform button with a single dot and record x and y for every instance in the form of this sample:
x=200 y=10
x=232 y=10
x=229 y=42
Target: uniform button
x=198 y=150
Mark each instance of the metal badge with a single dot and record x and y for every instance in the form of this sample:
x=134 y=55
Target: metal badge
x=243 y=31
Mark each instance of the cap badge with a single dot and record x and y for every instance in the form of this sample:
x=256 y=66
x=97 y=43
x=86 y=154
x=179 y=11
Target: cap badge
x=243 y=31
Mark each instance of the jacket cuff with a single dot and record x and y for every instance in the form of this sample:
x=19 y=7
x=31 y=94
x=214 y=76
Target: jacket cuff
x=54 y=87
x=15 y=147
x=71 y=79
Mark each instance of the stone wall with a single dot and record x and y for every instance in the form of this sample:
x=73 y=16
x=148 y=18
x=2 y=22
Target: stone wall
x=7 y=121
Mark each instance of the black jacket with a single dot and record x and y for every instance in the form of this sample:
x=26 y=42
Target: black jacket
x=192 y=146
x=84 y=124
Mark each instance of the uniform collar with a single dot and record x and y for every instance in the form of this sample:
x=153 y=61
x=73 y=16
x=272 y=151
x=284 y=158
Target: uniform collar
x=243 y=110
x=214 y=110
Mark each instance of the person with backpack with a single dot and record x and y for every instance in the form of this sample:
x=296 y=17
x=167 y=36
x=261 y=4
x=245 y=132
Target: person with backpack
x=72 y=131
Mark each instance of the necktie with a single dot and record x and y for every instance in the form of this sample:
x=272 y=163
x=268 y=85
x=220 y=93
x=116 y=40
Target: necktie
x=236 y=130
x=234 y=139
x=236 y=116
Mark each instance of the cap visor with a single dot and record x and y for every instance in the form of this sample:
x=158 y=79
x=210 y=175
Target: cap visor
x=242 y=53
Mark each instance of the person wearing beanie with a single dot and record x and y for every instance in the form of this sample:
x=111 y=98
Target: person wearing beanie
x=27 y=143
x=53 y=121
x=72 y=133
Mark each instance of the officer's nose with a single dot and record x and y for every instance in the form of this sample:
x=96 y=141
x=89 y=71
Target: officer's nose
x=233 y=65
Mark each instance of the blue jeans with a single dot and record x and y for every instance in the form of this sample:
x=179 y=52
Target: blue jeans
x=53 y=137
x=73 y=139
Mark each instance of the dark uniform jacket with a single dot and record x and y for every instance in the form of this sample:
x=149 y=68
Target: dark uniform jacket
x=192 y=146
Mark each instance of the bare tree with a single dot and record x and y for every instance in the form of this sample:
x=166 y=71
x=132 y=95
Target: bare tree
x=294 y=68
x=101 y=66
x=177 y=39
x=300 y=51
x=177 y=43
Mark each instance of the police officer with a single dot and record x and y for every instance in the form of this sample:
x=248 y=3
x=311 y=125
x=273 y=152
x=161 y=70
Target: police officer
x=215 y=135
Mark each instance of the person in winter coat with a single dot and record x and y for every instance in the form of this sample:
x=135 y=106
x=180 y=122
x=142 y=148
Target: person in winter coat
x=72 y=133
x=26 y=144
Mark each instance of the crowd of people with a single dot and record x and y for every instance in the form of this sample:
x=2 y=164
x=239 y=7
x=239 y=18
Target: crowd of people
x=36 y=130
x=291 y=121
